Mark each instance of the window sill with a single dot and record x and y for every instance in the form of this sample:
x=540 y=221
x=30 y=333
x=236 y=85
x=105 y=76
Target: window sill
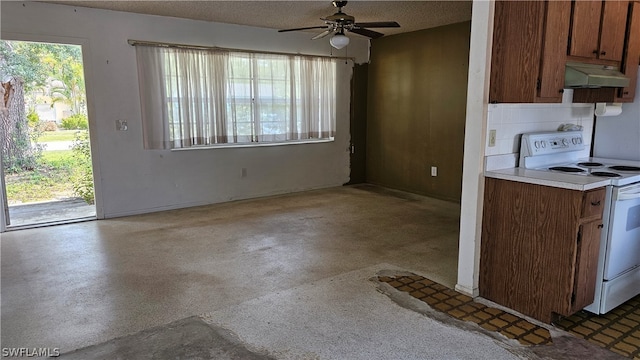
x=253 y=145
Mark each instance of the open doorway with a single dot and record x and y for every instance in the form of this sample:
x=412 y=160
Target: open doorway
x=46 y=155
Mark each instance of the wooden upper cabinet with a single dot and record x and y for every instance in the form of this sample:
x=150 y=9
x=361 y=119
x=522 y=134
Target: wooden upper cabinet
x=517 y=39
x=554 y=44
x=533 y=40
x=585 y=27
x=529 y=51
x=598 y=29
x=614 y=24
x=631 y=58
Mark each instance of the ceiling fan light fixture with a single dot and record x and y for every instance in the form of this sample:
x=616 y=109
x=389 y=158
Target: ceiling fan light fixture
x=339 y=40
x=340 y=22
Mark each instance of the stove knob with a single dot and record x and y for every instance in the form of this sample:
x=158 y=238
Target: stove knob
x=543 y=143
x=579 y=140
x=537 y=144
x=574 y=141
x=565 y=142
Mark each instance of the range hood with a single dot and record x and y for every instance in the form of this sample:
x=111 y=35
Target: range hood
x=579 y=75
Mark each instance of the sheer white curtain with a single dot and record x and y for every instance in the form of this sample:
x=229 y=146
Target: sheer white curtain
x=193 y=97
x=151 y=79
x=178 y=92
x=318 y=105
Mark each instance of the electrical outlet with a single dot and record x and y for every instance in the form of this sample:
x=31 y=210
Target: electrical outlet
x=434 y=171
x=492 y=138
x=244 y=173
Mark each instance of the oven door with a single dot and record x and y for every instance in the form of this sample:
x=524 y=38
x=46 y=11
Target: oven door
x=623 y=237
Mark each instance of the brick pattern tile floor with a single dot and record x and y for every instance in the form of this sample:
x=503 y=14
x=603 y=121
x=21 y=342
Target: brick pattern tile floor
x=618 y=330
x=463 y=307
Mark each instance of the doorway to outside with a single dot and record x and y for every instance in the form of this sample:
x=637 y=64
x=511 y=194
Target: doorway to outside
x=47 y=175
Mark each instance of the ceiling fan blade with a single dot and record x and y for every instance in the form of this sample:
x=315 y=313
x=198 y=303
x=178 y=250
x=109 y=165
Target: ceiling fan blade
x=304 y=28
x=322 y=34
x=379 y=24
x=368 y=33
x=339 y=17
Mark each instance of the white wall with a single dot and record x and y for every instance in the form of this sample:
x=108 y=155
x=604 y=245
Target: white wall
x=132 y=180
x=618 y=137
x=474 y=139
x=512 y=120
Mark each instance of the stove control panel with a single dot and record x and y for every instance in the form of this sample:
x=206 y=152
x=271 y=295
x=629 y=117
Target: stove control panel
x=546 y=143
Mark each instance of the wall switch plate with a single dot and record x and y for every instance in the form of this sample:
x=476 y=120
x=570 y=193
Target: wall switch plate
x=243 y=173
x=434 y=171
x=121 y=125
x=492 y=138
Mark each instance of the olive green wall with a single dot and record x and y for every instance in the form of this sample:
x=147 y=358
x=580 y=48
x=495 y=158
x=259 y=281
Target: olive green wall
x=416 y=102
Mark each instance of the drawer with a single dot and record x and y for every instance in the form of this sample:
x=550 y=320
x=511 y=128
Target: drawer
x=593 y=203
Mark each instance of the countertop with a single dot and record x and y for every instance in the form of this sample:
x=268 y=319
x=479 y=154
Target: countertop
x=580 y=182
x=549 y=178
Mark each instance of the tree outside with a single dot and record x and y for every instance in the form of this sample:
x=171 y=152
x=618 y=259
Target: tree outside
x=44 y=107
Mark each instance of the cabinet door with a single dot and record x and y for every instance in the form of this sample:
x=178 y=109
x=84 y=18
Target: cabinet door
x=585 y=28
x=517 y=42
x=614 y=16
x=593 y=204
x=554 y=46
x=587 y=251
x=529 y=246
x=631 y=59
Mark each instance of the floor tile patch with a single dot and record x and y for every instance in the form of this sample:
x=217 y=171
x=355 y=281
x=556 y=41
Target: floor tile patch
x=617 y=330
x=463 y=307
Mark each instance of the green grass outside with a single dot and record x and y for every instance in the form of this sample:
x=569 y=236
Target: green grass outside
x=58 y=158
x=57 y=173
x=48 y=182
x=60 y=135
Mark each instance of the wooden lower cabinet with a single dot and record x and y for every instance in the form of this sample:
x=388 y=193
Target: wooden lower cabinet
x=540 y=247
x=584 y=285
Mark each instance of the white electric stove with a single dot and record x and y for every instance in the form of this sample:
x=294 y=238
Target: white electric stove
x=563 y=152
x=619 y=263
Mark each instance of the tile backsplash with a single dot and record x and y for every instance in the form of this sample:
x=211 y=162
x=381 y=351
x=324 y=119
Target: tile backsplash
x=512 y=120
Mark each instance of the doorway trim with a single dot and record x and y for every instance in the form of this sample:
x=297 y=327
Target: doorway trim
x=93 y=127
x=475 y=140
x=4 y=211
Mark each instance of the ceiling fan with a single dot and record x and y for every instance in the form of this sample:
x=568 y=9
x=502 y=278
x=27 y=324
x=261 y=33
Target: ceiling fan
x=340 y=22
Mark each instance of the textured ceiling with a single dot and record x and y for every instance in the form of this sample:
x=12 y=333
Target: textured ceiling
x=411 y=15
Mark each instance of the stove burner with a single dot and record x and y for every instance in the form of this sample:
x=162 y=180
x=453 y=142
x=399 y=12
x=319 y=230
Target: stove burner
x=605 y=174
x=624 y=168
x=566 y=169
x=590 y=164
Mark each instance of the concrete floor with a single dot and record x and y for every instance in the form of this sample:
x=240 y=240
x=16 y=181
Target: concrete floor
x=288 y=276
x=48 y=212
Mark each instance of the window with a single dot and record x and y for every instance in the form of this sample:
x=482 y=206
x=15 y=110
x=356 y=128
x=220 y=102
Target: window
x=195 y=97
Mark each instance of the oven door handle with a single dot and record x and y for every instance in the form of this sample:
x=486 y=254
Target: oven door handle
x=628 y=196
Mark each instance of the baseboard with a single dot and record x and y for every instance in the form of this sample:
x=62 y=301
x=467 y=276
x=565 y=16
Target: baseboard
x=113 y=215
x=473 y=292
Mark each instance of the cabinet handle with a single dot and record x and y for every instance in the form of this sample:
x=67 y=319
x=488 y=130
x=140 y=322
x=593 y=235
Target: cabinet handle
x=600 y=226
x=595 y=51
x=603 y=53
x=561 y=91
x=626 y=93
x=595 y=203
